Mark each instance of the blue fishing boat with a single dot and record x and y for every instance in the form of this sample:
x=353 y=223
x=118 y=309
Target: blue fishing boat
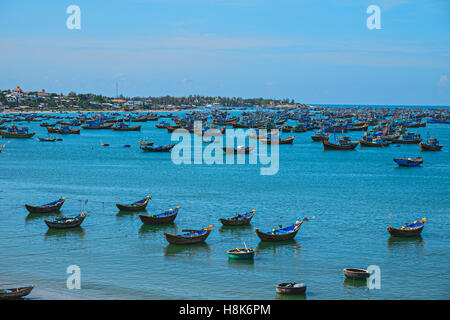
x=238 y=220
x=409 y=229
x=161 y=218
x=409 y=162
x=280 y=234
x=190 y=236
x=48 y=207
x=66 y=222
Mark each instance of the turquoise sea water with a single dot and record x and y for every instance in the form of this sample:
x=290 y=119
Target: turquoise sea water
x=353 y=196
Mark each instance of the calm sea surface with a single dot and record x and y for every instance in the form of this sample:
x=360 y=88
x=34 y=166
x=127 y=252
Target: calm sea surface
x=353 y=196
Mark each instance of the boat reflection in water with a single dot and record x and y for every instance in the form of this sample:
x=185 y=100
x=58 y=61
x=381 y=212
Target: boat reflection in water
x=42 y=216
x=237 y=230
x=290 y=296
x=65 y=233
x=406 y=243
x=361 y=283
x=280 y=248
x=147 y=231
x=190 y=250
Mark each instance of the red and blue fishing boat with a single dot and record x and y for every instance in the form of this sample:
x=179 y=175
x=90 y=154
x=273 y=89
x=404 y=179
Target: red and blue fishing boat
x=408 y=230
x=239 y=219
x=161 y=218
x=342 y=144
x=409 y=162
x=139 y=205
x=408 y=138
x=125 y=127
x=46 y=208
x=190 y=236
x=66 y=222
x=280 y=234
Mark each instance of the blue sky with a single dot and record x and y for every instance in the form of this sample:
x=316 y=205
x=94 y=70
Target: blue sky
x=314 y=51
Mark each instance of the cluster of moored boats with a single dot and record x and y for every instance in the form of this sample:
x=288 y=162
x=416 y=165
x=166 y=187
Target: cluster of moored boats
x=381 y=127
x=195 y=236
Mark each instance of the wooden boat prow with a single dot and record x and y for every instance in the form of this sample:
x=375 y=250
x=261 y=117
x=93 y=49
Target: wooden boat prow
x=15 y=293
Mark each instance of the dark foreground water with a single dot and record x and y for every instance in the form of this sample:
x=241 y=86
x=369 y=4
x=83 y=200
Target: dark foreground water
x=352 y=195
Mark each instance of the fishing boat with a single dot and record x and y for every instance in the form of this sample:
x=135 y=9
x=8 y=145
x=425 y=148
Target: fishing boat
x=290 y=288
x=161 y=218
x=281 y=234
x=47 y=139
x=46 y=208
x=15 y=293
x=408 y=230
x=97 y=126
x=409 y=138
x=238 y=150
x=320 y=136
x=241 y=253
x=342 y=144
x=409 y=162
x=125 y=127
x=15 y=132
x=145 y=143
x=431 y=145
x=269 y=140
x=157 y=148
x=63 y=130
x=190 y=236
x=135 y=206
x=104 y=144
x=378 y=142
x=66 y=222
x=358 y=128
x=356 y=273
x=238 y=220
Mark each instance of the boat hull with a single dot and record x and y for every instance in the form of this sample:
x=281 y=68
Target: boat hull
x=241 y=255
x=236 y=222
x=427 y=147
x=69 y=225
x=282 y=289
x=372 y=144
x=139 y=207
x=276 y=237
x=356 y=274
x=394 y=232
x=12 y=135
x=175 y=239
x=332 y=146
x=38 y=209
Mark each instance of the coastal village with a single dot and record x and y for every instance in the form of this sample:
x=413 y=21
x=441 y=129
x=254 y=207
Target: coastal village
x=19 y=100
